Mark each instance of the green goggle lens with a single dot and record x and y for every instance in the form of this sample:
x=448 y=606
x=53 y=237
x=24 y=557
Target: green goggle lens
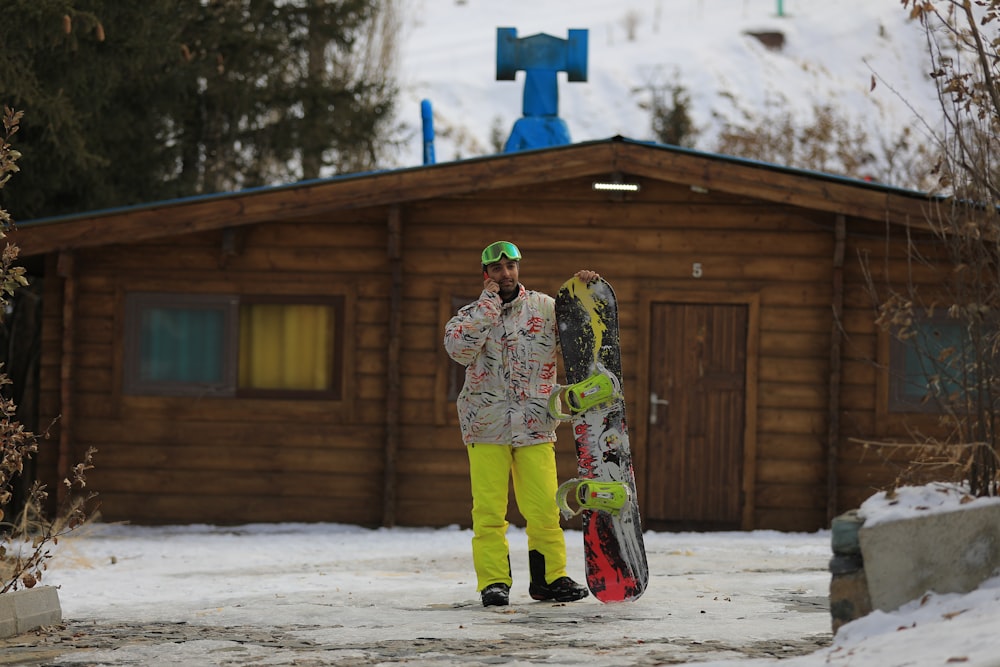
x=495 y=251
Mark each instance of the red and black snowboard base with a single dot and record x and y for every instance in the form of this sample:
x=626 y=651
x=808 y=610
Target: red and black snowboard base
x=615 y=557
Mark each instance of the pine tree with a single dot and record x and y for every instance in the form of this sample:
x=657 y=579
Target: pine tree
x=131 y=101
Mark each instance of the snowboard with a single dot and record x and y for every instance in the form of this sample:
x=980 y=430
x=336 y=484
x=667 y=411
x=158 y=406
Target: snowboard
x=615 y=557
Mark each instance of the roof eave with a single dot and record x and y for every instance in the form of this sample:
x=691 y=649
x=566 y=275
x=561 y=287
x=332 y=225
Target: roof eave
x=666 y=163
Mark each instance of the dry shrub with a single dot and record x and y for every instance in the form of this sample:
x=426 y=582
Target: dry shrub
x=26 y=541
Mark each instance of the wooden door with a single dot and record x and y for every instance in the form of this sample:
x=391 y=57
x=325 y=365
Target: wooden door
x=697 y=385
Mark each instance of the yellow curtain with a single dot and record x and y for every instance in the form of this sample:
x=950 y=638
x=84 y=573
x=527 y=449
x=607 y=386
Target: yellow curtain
x=285 y=346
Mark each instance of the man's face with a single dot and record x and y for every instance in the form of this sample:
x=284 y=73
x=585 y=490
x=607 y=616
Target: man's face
x=504 y=273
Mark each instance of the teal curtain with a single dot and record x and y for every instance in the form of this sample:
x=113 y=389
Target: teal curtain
x=937 y=352
x=182 y=345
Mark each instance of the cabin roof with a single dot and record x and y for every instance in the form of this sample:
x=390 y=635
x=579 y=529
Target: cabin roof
x=706 y=172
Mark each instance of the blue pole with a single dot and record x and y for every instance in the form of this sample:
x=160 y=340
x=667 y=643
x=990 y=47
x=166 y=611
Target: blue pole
x=781 y=8
x=427 y=118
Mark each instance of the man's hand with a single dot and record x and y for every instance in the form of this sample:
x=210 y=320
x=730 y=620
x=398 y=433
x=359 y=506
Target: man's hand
x=587 y=275
x=491 y=285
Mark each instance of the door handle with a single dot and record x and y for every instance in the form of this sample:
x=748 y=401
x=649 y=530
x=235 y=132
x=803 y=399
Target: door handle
x=654 y=402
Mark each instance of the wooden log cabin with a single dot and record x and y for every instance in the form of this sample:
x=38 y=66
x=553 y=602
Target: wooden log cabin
x=753 y=365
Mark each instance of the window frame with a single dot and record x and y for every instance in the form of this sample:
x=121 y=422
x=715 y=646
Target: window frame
x=138 y=302
x=229 y=304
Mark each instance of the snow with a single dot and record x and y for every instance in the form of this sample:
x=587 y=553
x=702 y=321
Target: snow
x=912 y=501
x=831 y=53
x=325 y=593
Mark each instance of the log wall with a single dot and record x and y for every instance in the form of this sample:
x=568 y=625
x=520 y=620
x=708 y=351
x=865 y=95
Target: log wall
x=228 y=460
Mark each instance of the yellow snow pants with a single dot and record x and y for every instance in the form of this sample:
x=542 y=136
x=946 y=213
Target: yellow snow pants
x=533 y=468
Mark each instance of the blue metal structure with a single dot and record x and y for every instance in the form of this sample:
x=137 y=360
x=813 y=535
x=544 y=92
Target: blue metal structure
x=541 y=57
x=427 y=120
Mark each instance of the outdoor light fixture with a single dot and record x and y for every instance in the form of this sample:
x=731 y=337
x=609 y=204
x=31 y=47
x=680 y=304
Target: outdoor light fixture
x=615 y=183
x=608 y=186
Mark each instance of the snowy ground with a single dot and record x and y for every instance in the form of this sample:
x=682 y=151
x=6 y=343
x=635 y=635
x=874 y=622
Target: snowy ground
x=323 y=594
x=334 y=594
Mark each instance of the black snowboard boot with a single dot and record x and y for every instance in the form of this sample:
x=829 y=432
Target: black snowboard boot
x=496 y=595
x=562 y=589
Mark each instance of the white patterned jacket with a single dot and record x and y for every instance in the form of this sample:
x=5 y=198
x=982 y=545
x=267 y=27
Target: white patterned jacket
x=509 y=354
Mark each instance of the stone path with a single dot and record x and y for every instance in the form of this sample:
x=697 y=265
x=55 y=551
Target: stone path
x=89 y=644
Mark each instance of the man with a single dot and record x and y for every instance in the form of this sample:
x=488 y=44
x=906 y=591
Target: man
x=507 y=342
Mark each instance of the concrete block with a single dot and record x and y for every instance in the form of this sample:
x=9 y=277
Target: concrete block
x=944 y=552
x=28 y=609
x=8 y=619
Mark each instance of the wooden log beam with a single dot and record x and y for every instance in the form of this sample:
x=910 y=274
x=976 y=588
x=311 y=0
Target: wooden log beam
x=836 y=347
x=393 y=372
x=67 y=272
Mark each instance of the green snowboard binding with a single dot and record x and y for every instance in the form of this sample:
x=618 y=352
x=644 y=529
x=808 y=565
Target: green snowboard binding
x=591 y=494
x=600 y=388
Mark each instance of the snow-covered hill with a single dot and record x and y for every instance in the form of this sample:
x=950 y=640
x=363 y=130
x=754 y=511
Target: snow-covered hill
x=830 y=54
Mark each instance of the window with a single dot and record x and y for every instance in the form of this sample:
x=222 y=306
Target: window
x=928 y=367
x=224 y=345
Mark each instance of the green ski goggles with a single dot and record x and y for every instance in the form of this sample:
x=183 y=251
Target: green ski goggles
x=495 y=251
